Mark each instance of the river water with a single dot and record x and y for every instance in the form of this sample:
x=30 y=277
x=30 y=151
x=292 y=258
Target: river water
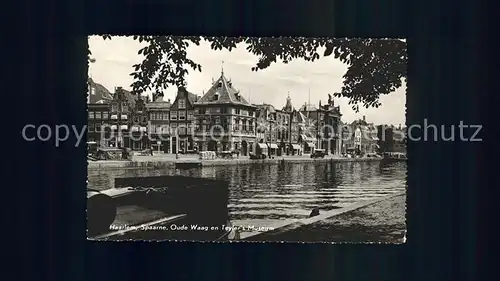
x=261 y=195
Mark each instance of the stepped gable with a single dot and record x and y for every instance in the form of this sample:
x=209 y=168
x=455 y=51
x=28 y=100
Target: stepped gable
x=225 y=92
x=100 y=94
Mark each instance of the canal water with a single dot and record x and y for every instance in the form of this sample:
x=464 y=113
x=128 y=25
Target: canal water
x=261 y=195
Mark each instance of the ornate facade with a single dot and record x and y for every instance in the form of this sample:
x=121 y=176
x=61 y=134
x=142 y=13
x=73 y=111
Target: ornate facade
x=225 y=120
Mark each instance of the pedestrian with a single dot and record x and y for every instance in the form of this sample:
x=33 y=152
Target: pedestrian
x=151 y=150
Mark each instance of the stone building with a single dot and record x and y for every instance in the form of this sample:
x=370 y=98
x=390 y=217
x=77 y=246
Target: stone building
x=182 y=122
x=327 y=126
x=225 y=120
x=289 y=125
x=360 y=137
x=267 y=129
x=159 y=124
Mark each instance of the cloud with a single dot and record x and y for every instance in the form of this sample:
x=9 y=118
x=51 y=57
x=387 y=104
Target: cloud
x=301 y=79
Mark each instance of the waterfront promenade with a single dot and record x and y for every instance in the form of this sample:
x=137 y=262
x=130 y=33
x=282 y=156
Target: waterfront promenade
x=170 y=160
x=381 y=220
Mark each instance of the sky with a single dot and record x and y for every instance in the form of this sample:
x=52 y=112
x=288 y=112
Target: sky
x=300 y=79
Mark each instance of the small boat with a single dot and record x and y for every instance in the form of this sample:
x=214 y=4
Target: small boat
x=160 y=208
x=395 y=156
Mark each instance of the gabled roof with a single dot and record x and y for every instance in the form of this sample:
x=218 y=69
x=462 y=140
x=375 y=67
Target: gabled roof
x=158 y=104
x=225 y=91
x=308 y=107
x=100 y=94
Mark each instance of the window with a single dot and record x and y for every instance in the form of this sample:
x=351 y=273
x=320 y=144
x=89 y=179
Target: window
x=244 y=125
x=223 y=110
x=181 y=103
x=97 y=115
x=152 y=116
x=91 y=115
x=250 y=126
x=182 y=115
x=216 y=97
x=125 y=108
x=182 y=130
x=97 y=127
x=190 y=115
x=114 y=108
x=90 y=128
x=105 y=115
x=237 y=111
x=165 y=115
x=173 y=115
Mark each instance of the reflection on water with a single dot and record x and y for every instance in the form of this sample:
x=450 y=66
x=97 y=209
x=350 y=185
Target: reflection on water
x=262 y=194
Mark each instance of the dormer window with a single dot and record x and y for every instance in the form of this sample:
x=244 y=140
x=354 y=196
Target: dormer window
x=238 y=97
x=216 y=97
x=219 y=84
x=230 y=84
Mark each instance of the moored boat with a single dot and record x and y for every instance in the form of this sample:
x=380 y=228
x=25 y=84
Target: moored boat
x=395 y=156
x=159 y=208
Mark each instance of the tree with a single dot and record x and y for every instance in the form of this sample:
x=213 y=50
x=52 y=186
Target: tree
x=375 y=66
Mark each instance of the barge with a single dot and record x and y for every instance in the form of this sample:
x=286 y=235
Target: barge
x=160 y=208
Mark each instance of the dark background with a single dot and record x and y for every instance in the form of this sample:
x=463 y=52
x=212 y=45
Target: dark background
x=46 y=83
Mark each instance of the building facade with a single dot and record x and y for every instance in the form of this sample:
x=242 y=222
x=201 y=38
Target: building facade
x=119 y=113
x=225 y=120
x=391 y=139
x=182 y=122
x=159 y=124
x=98 y=120
x=360 y=137
x=327 y=126
x=138 y=126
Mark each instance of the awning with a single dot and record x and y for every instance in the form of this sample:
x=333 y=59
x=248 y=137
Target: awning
x=143 y=129
x=273 y=146
x=262 y=145
x=113 y=127
x=123 y=127
x=310 y=144
x=134 y=129
x=124 y=117
x=114 y=117
x=296 y=146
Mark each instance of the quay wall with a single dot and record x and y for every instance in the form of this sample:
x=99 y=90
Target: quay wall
x=162 y=164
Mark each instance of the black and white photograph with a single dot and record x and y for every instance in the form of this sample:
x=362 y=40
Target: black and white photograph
x=235 y=139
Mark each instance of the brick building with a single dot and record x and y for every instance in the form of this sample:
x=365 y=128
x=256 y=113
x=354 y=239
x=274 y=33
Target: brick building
x=182 y=122
x=159 y=124
x=98 y=98
x=120 y=112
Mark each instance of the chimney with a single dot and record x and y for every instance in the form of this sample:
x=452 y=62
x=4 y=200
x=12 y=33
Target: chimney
x=364 y=118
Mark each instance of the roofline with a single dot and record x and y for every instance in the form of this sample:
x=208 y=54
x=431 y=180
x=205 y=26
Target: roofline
x=222 y=103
